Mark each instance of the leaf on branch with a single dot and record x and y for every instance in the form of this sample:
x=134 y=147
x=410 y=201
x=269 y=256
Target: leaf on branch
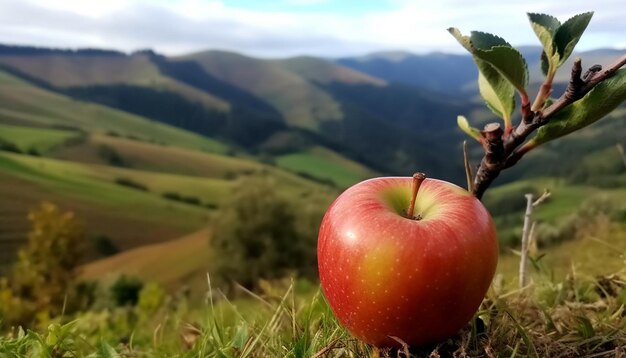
x=509 y=63
x=465 y=127
x=599 y=102
x=497 y=92
x=485 y=41
x=545 y=27
x=498 y=53
x=568 y=34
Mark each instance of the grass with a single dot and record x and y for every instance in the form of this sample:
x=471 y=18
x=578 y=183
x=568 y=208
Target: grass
x=40 y=139
x=566 y=200
x=572 y=318
x=24 y=103
x=323 y=163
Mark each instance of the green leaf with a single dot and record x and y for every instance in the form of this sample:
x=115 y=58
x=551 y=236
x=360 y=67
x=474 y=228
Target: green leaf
x=501 y=67
x=545 y=27
x=485 y=41
x=497 y=92
x=568 y=34
x=599 y=102
x=465 y=127
x=509 y=63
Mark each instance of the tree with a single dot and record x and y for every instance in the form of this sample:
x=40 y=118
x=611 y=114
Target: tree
x=256 y=236
x=44 y=275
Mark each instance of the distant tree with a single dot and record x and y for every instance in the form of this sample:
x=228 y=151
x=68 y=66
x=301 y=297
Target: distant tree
x=43 y=279
x=105 y=246
x=256 y=236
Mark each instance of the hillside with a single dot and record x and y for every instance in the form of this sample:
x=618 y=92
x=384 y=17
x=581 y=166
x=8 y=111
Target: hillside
x=274 y=107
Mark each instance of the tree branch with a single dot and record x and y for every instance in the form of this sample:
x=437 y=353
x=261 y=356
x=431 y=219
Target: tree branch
x=505 y=151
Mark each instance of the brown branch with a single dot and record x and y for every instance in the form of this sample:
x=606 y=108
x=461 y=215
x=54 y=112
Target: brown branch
x=506 y=151
x=490 y=165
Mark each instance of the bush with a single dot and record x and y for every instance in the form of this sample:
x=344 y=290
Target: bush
x=131 y=184
x=192 y=200
x=42 y=282
x=125 y=291
x=111 y=156
x=9 y=147
x=257 y=236
x=105 y=246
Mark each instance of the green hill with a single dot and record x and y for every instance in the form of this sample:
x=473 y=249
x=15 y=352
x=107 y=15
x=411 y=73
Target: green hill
x=25 y=104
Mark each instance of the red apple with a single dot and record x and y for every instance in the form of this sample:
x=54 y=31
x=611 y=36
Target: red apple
x=419 y=279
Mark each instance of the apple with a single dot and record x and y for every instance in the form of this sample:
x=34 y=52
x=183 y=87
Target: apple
x=403 y=257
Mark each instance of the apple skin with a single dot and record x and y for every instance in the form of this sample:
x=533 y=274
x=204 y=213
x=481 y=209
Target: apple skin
x=418 y=280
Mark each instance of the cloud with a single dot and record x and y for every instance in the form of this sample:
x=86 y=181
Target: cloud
x=176 y=27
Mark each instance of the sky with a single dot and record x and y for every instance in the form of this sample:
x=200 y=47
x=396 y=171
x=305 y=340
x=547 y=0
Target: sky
x=282 y=28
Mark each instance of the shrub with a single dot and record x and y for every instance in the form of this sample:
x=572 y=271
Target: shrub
x=131 y=184
x=9 y=147
x=42 y=282
x=256 y=236
x=105 y=246
x=111 y=156
x=125 y=291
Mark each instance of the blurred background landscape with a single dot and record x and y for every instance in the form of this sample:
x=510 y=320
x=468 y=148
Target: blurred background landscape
x=178 y=161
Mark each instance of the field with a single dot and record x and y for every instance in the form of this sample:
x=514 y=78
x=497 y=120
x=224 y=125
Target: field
x=39 y=139
x=324 y=164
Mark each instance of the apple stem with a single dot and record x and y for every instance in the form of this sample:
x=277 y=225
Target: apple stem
x=418 y=178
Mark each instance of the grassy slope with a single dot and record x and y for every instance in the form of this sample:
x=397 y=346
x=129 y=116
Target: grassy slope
x=66 y=71
x=171 y=264
x=23 y=103
x=566 y=199
x=41 y=139
x=108 y=208
x=582 y=256
x=325 y=164
x=160 y=158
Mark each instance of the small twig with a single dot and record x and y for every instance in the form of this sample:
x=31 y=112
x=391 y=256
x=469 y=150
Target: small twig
x=326 y=349
x=528 y=231
x=525 y=235
x=546 y=194
x=468 y=168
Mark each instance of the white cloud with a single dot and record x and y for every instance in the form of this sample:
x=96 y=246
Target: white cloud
x=175 y=27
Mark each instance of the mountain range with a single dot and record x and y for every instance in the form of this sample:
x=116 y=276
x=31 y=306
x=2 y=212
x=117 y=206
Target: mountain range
x=393 y=112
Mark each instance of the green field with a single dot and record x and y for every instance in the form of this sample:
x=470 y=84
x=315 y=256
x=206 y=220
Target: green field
x=159 y=158
x=322 y=163
x=130 y=217
x=40 y=139
x=23 y=103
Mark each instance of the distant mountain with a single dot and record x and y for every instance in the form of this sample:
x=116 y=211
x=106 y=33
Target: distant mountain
x=440 y=72
x=456 y=74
